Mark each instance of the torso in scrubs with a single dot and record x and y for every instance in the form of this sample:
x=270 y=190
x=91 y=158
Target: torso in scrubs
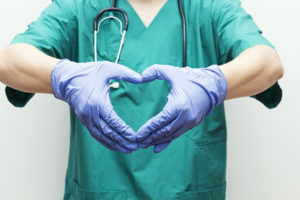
x=193 y=167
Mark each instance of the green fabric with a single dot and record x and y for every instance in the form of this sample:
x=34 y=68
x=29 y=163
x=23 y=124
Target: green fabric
x=17 y=98
x=194 y=165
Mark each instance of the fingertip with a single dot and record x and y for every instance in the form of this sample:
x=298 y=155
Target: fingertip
x=123 y=150
x=147 y=78
x=156 y=150
x=127 y=152
x=143 y=146
x=135 y=78
x=127 y=74
x=160 y=147
x=149 y=74
x=131 y=138
x=141 y=137
x=124 y=129
x=134 y=147
x=142 y=133
x=132 y=78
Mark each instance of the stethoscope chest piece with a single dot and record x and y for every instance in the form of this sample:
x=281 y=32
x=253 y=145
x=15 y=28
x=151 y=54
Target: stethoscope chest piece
x=114 y=85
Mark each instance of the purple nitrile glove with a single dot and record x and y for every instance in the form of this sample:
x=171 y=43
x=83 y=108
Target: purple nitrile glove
x=194 y=94
x=85 y=87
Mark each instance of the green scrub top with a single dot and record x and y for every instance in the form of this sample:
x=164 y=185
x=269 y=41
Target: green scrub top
x=193 y=167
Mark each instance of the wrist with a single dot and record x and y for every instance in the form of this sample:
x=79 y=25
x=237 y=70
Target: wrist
x=218 y=87
x=57 y=85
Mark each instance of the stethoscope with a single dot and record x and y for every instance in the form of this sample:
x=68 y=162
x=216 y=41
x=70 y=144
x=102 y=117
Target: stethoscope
x=123 y=30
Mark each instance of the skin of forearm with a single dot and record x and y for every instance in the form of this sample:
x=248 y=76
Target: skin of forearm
x=26 y=68
x=253 y=71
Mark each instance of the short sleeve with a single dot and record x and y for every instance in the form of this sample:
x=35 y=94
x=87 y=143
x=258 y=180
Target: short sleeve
x=52 y=33
x=236 y=31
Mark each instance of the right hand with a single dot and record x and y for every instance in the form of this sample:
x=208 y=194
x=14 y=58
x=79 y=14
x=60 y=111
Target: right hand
x=85 y=87
x=194 y=94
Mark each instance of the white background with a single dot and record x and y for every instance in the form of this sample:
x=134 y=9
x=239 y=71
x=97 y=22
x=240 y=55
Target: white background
x=263 y=145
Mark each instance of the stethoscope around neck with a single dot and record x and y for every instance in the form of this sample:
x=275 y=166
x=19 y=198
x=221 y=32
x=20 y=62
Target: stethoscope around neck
x=123 y=30
x=97 y=25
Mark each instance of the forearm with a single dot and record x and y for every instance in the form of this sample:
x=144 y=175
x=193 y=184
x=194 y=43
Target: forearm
x=252 y=72
x=26 y=68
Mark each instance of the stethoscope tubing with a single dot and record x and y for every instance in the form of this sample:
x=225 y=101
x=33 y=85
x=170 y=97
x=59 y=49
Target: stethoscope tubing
x=95 y=24
x=113 y=8
x=183 y=33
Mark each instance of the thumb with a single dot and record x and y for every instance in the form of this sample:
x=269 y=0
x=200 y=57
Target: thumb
x=155 y=72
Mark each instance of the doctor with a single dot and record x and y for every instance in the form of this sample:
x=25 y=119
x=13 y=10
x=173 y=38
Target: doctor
x=111 y=129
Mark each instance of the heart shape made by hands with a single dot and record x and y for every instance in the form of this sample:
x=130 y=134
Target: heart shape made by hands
x=195 y=92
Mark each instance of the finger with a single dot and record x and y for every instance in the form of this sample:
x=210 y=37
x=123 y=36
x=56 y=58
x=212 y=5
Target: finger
x=173 y=126
x=174 y=135
x=113 y=135
x=166 y=137
x=155 y=72
x=126 y=74
x=148 y=142
x=170 y=135
x=167 y=115
x=144 y=146
x=145 y=143
x=159 y=147
x=162 y=132
x=110 y=117
x=107 y=142
x=116 y=137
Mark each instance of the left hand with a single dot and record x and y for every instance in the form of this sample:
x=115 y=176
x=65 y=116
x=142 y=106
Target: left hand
x=85 y=87
x=195 y=92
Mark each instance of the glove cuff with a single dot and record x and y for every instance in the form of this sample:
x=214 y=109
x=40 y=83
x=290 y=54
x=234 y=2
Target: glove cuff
x=56 y=85
x=219 y=92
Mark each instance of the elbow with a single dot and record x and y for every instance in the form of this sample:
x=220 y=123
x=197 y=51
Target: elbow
x=9 y=58
x=279 y=71
x=273 y=65
x=7 y=64
x=2 y=65
x=276 y=67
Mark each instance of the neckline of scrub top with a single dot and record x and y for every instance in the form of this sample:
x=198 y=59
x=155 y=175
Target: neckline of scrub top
x=138 y=19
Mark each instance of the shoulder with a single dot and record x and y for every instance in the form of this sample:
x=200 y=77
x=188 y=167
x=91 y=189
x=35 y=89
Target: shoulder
x=206 y=6
x=65 y=2
x=66 y=6
x=221 y=3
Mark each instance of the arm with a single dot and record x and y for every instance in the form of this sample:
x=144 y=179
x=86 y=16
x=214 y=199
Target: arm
x=26 y=68
x=251 y=67
x=196 y=91
x=253 y=71
x=84 y=86
x=24 y=65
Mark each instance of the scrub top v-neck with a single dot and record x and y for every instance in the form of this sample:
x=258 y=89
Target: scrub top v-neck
x=138 y=22
x=193 y=167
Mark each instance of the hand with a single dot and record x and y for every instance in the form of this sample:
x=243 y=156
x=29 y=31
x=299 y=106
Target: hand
x=85 y=86
x=195 y=92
